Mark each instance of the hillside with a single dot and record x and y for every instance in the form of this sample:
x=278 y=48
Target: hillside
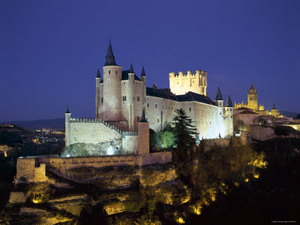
x=58 y=123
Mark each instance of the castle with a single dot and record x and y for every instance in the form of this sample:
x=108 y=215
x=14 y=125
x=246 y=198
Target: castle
x=123 y=101
x=254 y=106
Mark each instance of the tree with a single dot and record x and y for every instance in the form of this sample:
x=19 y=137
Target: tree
x=185 y=131
x=185 y=141
x=167 y=137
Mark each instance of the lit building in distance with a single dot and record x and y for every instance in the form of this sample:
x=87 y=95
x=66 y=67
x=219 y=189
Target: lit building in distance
x=255 y=107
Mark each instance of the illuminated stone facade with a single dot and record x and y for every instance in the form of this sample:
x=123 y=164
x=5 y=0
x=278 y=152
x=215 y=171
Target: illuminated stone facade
x=121 y=97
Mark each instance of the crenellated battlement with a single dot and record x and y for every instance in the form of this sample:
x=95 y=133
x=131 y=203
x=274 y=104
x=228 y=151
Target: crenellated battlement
x=187 y=74
x=110 y=124
x=182 y=83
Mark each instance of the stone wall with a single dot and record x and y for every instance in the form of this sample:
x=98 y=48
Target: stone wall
x=157 y=157
x=220 y=142
x=31 y=170
x=28 y=171
x=63 y=164
x=91 y=132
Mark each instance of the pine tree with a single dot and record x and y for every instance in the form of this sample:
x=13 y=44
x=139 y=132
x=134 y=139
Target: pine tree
x=185 y=131
x=185 y=140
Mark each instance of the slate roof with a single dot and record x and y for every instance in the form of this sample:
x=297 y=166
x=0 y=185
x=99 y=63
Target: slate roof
x=125 y=75
x=229 y=102
x=188 y=97
x=110 y=58
x=219 y=94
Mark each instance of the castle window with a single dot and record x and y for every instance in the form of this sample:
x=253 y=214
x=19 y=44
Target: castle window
x=116 y=72
x=138 y=98
x=101 y=100
x=109 y=72
x=148 y=105
x=124 y=98
x=133 y=98
x=158 y=120
x=155 y=105
x=190 y=109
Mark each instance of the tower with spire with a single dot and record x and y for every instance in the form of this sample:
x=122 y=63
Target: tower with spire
x=120 y=95
x=252 y=98
x=108 y=93
x=228 y=116
x=219 y=98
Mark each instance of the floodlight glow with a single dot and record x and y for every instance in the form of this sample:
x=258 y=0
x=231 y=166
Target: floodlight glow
x=110 y=150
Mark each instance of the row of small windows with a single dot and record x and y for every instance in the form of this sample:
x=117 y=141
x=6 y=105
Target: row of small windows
x=124 y=99
x=110 y=72
x=137 y=98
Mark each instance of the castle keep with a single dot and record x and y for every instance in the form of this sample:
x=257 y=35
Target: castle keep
x=122 y=98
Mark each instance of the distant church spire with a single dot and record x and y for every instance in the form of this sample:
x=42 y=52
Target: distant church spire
x=229 y=102
x=143 y=119
x=110 y=58
x=98 y=74
x=219 y=94
x=143 y=72
x=131 y=69
x=67 y=110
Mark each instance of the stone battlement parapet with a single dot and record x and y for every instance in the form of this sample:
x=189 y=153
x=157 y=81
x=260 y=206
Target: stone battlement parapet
x=106 y=123
x=187 y=74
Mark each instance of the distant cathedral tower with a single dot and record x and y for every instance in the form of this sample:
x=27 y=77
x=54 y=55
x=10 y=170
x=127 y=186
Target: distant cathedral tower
x=252 y=98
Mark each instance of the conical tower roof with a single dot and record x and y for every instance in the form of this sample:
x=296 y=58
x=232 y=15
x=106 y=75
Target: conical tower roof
x=110 y=58
x=219 y=94
x=252 y=87
x=229 y=102
x=67 y=110
x=98 y=74
x=143 y=118
x=143 y=74
x=131 y=70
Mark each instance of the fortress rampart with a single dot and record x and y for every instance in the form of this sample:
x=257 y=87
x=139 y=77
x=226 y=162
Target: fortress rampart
x=33 y=169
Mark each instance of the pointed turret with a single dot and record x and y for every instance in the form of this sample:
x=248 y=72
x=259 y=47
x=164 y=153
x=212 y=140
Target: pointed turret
x=219 y=99
x=229 y=102
x=219 y=94
x=143 y=74
x=110 y=58
x=67 y=110
x=131 y=69
x=143 y=118
x=274 y=106
x=98 y=74
x=67 y=126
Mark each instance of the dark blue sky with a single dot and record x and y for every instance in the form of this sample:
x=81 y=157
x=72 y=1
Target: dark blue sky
x=50 y=50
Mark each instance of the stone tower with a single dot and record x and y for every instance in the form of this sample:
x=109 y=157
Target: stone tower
x=181 y=84
x=252 y=98
x=219 y=99
x=111 y=96
x=228 y=117
x=67 y=127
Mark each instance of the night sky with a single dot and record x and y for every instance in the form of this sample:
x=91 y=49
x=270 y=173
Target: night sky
x=50 y=50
